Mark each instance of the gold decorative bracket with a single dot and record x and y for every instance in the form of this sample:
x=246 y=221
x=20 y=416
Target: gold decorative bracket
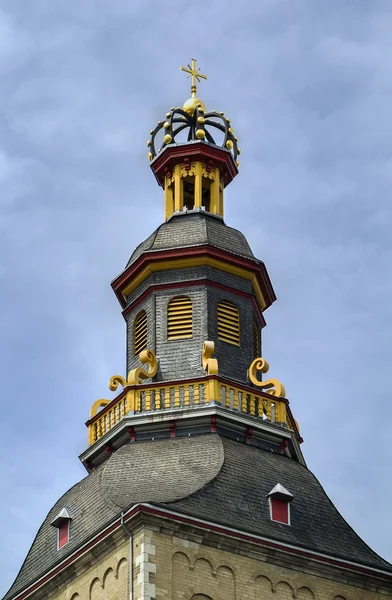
x=97 y=405
x=210 y=365
x=137 y=375
x=272 y=386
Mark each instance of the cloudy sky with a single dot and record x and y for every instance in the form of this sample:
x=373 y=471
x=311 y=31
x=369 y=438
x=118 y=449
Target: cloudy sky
x=307 y=85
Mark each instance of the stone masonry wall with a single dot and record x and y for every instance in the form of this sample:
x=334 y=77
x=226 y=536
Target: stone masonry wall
x=167 y=567
x=187 y=570
x=107 y=579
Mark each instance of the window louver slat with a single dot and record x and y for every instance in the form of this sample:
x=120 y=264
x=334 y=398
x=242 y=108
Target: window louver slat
x=179 y=318
x=228 y=322
x=140 y=333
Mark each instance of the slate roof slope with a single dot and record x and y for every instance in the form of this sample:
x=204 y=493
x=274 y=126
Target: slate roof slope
x=119 y=482
x=194 y=229
x=89 y=514
x=237 y=497
x=231 y=490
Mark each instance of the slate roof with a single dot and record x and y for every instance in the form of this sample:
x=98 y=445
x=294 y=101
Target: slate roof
x=231 y=489
x=238 y=497
x=193 y=229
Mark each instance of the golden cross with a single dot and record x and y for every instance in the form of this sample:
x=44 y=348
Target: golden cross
x=196 y=75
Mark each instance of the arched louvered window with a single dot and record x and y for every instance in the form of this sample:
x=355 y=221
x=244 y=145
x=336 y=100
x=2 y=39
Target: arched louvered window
x=179 y=318
x=256 y=339
x=228 y=322
x=140 y=333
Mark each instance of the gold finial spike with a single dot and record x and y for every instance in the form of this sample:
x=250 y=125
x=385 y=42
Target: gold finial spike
x=195 y=74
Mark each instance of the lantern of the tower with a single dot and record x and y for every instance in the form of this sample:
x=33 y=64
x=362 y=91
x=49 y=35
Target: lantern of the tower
x=194 y=173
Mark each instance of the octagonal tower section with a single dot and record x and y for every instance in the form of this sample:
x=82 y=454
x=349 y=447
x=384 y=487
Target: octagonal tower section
x=193 y=296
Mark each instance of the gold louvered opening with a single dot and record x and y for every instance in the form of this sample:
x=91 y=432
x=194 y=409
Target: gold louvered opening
x=228 y=322
x=256 y=340
x=179 y=318
x=140 y=333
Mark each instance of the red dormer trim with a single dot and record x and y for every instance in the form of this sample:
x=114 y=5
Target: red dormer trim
x=63 y=534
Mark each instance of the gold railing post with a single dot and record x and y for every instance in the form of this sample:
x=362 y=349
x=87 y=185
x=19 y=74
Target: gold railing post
x=198 y=200
x=131 y=400
x=169 y=198
x=178 y=193
x=186 y=395
x=90 y=434
x=213 y=391
x=215 y=194
x=280 y=414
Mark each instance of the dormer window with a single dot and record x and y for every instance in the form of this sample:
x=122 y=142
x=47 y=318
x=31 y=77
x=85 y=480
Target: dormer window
x=61 y=523
x=279 y=501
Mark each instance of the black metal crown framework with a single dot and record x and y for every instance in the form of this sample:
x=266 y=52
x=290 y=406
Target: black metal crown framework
x=178 y=120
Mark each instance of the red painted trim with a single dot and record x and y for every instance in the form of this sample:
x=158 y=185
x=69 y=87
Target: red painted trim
x=156 y=287
x=172 y=427
x=213 y=424
x=109 y=449
x=282 y=446
x=249 y=433
x=255 y=266
x=172 y=155
x=194 y=522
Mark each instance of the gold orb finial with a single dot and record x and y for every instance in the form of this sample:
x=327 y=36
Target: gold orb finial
x=191 y=104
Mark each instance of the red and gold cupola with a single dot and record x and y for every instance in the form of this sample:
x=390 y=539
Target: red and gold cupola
x=193 y=173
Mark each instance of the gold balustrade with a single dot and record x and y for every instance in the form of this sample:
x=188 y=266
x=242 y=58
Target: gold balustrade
x=163 y=396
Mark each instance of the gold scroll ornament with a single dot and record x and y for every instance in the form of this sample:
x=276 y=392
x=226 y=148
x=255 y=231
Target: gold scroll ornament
x=210 y=365
x=135 y=377
x=272 y=386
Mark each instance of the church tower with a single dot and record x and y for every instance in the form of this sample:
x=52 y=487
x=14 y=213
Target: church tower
x=196 y=485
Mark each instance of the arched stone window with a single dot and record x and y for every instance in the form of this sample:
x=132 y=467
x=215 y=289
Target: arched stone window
x=140 y=333
x=228 y=322
x=179 y=318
